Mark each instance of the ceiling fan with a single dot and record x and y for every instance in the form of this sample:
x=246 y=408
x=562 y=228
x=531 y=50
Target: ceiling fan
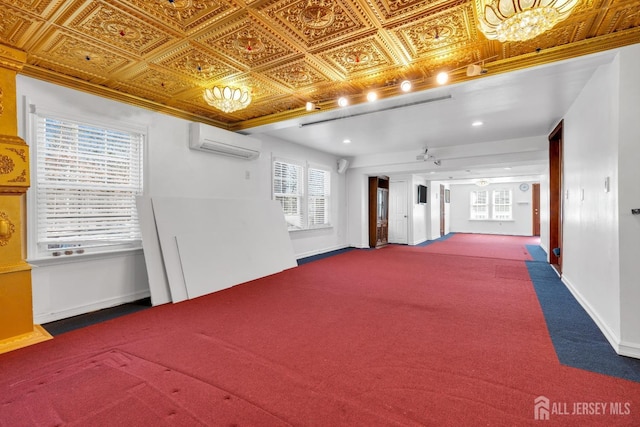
x=426 y=157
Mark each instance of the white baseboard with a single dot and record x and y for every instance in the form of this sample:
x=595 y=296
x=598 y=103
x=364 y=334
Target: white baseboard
x=629 y=349
x=623 y=348
x=608 y=333
x=545 y=249
x=320 y=251
x=88 y=308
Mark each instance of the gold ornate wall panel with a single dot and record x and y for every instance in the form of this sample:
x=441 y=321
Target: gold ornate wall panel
x=14 y=166
x=16 y=313
x=161 y=54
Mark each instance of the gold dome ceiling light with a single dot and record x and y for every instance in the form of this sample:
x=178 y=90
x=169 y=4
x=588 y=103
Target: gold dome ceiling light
x=227 y=98
x=519 y=20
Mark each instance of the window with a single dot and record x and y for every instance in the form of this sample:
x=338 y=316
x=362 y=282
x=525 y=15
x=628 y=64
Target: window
x=303 y=192
x=288 y=190
x=319 y=180
x=500 y=207
x=86 y=180
x=480 y=204
x=502 y=204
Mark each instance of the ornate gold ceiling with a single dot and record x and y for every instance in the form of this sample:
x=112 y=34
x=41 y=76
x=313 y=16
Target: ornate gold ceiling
x=161 y=54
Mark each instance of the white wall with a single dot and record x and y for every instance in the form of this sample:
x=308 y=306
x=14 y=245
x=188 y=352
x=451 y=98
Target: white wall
x=421 y=213
x=601 y=250
x=308 y=242
x=590 y=260
x=629 y=197
x=521 y=225
x=435 y=211
x=74 y=286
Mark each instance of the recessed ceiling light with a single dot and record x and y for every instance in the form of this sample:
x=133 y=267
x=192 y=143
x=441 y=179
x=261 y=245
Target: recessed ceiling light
x=477 y=123
x=507 y=168
x=442 y=77
x=372 y=96
x=405 y=86
x=343 y=102
x=432 y=172
x=346 y=141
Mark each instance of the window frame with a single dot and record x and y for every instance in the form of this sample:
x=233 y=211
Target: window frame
x=494 y=195
x=473 y=213
x=299 y=195
x=35 y=250
x=305 y=197
x=326 y=196
x=491 y=195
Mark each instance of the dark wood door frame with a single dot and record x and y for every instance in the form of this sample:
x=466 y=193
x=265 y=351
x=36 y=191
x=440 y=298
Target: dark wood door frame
x=555 y=197
x=535 y=203
x=442 y=216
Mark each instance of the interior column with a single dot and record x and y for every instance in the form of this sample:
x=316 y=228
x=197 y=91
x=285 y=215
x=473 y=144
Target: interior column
x=16 y=310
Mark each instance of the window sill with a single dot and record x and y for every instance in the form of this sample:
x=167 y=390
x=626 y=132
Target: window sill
x=326 y=227
x=492 y=220
x=68 y=259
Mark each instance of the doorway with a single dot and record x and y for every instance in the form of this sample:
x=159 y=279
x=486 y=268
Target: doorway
x=442 y=215
x=555 y=197
x=535 y=203
x=398 y=218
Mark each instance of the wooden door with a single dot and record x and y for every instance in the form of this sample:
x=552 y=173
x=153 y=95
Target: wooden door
x=378 y=211
x=555 y=197
x=442 y=217
x=535 y=204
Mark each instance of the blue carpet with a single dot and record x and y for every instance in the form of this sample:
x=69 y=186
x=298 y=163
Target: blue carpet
x=323 y=255
x=576 y=338
x=439 y=239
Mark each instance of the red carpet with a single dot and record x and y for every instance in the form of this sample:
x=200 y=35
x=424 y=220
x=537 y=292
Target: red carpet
x=485 y=246
x=395 y=336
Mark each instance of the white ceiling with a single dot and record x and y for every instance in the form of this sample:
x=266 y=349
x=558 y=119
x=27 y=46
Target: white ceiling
x=512 y=106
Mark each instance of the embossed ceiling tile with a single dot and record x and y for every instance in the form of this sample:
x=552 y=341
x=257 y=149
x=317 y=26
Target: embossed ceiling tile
x=261 y=87
x=13 y=26
x=195 y=63
x=118 y=28
x=297 y=74
x=274 y=105
x=389 y=10
x=247 y=43
x=186 y=15
x=81 y=55
x=557 y=36
x=623 y=17
x=158 y=82
x=451 y=61
x=42 y=8
x=66 y=70
x=438 y=33
x=316 y=22
x=359 y=57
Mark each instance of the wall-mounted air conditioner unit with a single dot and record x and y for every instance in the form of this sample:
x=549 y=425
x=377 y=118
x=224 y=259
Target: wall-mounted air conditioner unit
x=223 y=142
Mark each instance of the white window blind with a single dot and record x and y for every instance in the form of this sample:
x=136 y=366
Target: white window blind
x=303 y=192
x=319 y=188
x=502 y=204
x=288 y=189
x=479 y=204
x=87 y=178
